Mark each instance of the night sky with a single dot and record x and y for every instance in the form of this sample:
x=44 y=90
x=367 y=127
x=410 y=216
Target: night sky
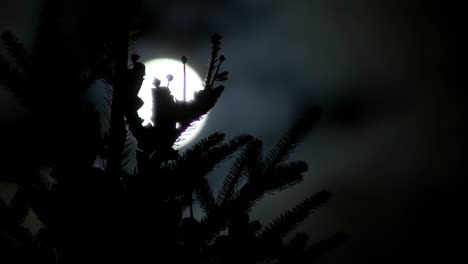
x=390 y=143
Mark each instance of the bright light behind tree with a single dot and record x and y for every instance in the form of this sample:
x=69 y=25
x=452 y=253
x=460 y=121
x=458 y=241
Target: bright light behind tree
x=160 y=68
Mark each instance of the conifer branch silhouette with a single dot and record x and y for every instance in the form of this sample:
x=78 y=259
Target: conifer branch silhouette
x=117 y=125
x=284 y=224
x=204 y=195
x=13 y=72
x=285 y=175
x=288 y=142
x=324 y=246
x=129 y=154
x=11 y=77
x=200 y=148
x=216 y=47
x=269 y=175
x=197 y=162
x=16 y=50
x=237 y=172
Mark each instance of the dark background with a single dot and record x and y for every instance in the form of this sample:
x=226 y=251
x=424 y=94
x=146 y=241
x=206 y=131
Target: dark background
x=391 y=141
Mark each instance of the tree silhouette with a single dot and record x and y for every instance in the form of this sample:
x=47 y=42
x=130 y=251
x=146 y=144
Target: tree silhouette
x=94 y=205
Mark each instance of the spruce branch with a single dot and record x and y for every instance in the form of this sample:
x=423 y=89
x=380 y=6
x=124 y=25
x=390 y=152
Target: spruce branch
x=11 y=77
x=284 y=176
x=16 y=50
x=216 y=47
x=320 y=248
x=287 y=221
x=293 y=137
x=191 y=170
x=204 y=195
x=237 y=172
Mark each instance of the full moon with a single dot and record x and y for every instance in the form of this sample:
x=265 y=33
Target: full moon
x=160 y=68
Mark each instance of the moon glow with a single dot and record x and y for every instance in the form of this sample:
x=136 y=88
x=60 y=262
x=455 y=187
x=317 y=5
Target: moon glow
x=160 y=68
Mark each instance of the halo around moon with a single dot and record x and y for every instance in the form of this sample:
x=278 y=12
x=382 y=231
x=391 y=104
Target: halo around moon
x=160 y=68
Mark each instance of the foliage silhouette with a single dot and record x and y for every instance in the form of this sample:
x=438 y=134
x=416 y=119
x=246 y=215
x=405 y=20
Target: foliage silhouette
x=119 y=212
